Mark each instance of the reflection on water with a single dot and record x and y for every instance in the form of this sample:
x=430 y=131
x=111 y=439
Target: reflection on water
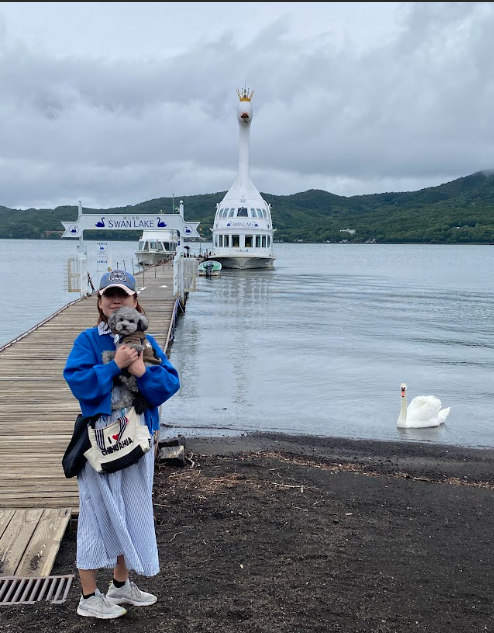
x=319 y=344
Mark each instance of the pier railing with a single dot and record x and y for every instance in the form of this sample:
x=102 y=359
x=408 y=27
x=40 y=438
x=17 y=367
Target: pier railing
x=184 y=275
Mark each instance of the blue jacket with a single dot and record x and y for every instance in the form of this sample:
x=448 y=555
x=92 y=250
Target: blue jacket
x=91 y=381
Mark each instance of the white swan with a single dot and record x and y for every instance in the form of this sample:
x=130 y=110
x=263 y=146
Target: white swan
x=423 y=411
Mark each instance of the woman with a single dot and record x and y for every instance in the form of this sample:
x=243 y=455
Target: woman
x=116 y=521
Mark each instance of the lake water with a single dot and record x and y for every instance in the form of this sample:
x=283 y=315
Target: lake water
x=318 y=345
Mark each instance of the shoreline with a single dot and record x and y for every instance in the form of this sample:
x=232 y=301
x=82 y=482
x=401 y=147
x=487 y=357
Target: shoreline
x=270 y=533
x=378 y=455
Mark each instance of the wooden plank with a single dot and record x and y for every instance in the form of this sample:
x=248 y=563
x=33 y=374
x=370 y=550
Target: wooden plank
x=43 y=489
x=66 y=500
x=4 y=430
x=27 y=475
x=45 y=499
x=15 y=538
x=5 y=518
x=11 y=464
x=43 y=547
x=61 y=501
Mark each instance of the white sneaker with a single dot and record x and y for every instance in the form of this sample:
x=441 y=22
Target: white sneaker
x=98 y=606
x=130 y=594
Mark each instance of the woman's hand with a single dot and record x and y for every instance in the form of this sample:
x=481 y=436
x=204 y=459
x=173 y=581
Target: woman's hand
x=137 y=368
x=125 y=356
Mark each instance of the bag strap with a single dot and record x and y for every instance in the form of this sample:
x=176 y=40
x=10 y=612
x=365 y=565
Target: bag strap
x=91 y=420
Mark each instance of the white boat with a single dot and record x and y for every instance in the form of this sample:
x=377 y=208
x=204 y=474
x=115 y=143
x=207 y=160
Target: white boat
x=157 y=246
x=209 y=268
x=243 y=229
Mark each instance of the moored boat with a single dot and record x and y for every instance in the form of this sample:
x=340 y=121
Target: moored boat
x=157 y=246
x=243 y=229
x=209 y=268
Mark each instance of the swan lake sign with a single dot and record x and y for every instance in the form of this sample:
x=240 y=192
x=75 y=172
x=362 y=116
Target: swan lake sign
x=130 y=222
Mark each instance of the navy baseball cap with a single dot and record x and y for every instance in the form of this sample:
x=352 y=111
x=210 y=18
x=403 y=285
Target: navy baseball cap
x=118 y=279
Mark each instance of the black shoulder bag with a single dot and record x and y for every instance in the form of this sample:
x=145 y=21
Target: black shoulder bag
x=73 y=460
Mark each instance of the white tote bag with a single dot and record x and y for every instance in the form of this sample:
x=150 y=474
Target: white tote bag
x=118 y=445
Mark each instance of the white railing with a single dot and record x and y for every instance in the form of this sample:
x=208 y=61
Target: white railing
x=184 y=275
x=77 y=277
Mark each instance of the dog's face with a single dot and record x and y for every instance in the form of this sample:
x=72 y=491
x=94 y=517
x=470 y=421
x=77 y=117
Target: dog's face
x=127 y=320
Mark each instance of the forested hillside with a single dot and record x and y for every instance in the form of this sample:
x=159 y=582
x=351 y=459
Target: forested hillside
x=460 y=211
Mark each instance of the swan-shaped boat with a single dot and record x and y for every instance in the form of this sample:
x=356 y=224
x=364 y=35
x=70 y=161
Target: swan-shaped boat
x=243 y=229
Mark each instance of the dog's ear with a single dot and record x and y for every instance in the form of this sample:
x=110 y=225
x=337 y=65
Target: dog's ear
x=112 y=320
x=143 y=323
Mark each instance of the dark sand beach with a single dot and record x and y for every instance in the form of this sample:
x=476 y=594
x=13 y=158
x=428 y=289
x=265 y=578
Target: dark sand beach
x=282 y=534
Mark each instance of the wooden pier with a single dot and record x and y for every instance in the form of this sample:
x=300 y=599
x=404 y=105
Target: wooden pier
x=37 y=415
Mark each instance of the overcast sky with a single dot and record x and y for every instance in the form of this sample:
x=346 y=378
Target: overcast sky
x=119 y=103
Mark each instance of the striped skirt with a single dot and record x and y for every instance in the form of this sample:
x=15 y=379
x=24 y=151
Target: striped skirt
x=116 y=515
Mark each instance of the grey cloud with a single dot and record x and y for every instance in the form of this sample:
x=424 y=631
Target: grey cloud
x=412 y=112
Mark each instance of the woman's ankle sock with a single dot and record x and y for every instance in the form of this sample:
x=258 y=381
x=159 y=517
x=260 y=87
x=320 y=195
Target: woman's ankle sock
x=118 y=584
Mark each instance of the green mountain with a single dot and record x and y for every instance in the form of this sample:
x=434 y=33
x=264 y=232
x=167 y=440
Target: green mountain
x=456 y=212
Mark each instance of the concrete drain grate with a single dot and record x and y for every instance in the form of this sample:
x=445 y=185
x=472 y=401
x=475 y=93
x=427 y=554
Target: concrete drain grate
x=19 y=590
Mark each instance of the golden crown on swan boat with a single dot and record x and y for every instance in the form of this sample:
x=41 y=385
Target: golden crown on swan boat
x=244 y=95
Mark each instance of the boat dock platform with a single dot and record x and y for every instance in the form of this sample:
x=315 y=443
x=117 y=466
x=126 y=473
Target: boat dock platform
x=37 y=415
